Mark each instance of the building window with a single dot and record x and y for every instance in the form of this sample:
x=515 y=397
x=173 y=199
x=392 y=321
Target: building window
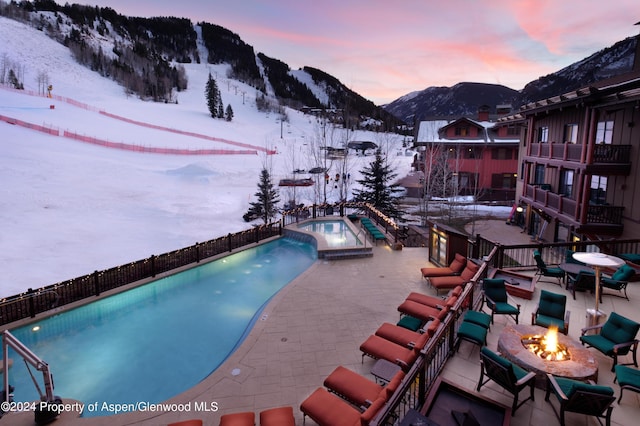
x=604 y=132
x=501 y=154
x=513 y=130
x=503 y=180
x=598 y=193
x=543 y=134
x=566 y=183
x=539 y=174
x=571 y=133
x=462 y=131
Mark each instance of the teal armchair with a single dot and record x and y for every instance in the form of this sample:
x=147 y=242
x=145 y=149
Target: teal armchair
x=618 y=280
x=580 y=397
x=551 y=311
x=546 y=271
x=617 y=337
x=497 y=299
x=508 y=375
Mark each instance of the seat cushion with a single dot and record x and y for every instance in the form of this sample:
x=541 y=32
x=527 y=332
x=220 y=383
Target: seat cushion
x=327 y=409
x=547 y=322
x=447 y=282
x=600 y=343
x=352 y=386
x=397 y=334
x=552 y=304
x=619 y=329
x=280 y=416
x=410 y=323
x=627 y=376
x=238 y=419
x=505 y=308
x=473 y=332
x=479 y=318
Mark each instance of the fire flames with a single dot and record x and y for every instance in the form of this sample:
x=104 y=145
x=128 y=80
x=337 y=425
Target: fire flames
x=547 y=347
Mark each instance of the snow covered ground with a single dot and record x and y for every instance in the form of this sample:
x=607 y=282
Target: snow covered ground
x=68 y=208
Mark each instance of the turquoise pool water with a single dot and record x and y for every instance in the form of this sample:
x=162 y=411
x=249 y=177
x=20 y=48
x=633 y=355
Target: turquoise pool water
x=153 y=342
x=336 y=233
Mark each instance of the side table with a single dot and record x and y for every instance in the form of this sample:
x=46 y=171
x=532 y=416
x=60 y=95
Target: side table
x=384 y=370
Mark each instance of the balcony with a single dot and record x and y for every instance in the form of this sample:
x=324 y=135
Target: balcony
x=600 y=218
x=605 y=160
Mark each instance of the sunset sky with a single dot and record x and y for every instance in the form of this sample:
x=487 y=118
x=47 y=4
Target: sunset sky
x=384 y=49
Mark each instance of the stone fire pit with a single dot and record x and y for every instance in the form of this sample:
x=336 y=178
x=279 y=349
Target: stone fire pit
x=582 y=365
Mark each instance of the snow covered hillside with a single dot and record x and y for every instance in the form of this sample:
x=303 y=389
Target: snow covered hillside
x=68 y=208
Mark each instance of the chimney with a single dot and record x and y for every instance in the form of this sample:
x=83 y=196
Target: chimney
x=483 y=113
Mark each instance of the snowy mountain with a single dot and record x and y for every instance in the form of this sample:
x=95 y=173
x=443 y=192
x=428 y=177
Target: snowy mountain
x=463 y=99
x=147 y=56
x=70 y=207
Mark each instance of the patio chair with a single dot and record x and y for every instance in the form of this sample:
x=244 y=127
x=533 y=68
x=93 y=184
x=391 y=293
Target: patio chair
x=377 y=347
x=405 y=337
x=551 y=311
x=424 y=312
x=280 y=416
x=583 y=281
x=497 y=299
x=471 y=332
x=192 y=422
x=434 y=300
x=627 y=378
x=546 y=271
x=580 y=397
x=617 y=337
x=359 y=390
x=449 y=282
x=247 y=418
x=618 y=281
x=455 y=268
x=508 y=375
x=326 y=409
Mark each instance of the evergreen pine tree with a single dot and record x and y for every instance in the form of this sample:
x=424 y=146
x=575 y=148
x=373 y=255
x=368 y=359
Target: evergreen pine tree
x=267 y=195
x=213 y=95
x=228 y=115
x=376 y=189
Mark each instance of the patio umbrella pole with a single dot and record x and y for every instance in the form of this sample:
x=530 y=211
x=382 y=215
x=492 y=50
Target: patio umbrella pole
x=597 y=260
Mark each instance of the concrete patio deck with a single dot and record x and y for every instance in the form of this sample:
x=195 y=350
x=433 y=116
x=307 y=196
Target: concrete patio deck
x=319 y=321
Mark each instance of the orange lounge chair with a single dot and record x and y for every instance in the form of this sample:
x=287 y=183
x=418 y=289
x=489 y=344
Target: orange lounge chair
x=327 y=409
x=424 y=312
x=379 y=348
x=357 y=389
x=280 y=416
x=247 y=418
x=455 y=268
x=446 y=283
x=433 y=300
x=191 y=422
x=403 y=336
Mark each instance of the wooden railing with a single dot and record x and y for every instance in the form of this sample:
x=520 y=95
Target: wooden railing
x=602 y=154
x=415 y=387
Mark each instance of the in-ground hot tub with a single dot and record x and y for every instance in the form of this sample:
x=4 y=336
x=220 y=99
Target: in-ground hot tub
x=335 y=238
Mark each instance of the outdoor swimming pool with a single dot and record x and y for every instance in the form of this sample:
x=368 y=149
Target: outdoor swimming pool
x=155 y=341
x=336 y=232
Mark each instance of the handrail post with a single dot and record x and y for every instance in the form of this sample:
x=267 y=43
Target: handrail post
x=96 y=283
x=32 y=307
